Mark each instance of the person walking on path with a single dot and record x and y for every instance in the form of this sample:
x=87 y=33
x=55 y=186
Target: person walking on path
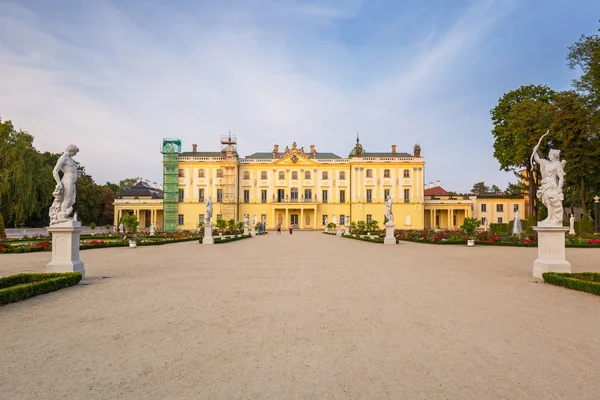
x=279 y=229
x=291 y=228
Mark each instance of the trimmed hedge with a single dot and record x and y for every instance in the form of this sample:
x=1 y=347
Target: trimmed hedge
x=229 y=239
x=365 y=239
x=586 y=282
x=22 y=286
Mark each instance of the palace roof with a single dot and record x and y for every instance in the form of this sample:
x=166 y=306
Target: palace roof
x=436 y=191
x=142 y=189
x=279 y=155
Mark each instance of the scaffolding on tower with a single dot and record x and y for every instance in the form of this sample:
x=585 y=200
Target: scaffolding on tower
x=170 y=151
x=230 y=167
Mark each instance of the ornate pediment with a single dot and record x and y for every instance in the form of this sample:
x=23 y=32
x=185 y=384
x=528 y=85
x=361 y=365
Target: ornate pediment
x=295 y=158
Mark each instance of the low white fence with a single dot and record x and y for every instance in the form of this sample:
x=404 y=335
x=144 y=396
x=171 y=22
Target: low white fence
x=34 y=232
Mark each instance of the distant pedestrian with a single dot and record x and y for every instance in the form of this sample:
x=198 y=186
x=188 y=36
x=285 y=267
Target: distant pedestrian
x=291 y=228
x=279 y=229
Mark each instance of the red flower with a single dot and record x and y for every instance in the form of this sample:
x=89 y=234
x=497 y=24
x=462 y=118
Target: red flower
x=437 y=238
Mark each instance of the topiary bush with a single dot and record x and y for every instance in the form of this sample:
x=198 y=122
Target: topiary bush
x=22 y=286
x=586 y=225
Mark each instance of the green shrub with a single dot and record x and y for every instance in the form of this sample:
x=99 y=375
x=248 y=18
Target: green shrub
x=586 y=225
x=229 y=239
x=22 y=286
x=131 y=223
x=364 y=239
x=586 y=282
x=469 y=225
x=2 y=230
x=92 y=225
x=499 y=228
x=528 y=227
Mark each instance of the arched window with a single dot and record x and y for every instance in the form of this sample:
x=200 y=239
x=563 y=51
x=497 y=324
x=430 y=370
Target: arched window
x=307 y=175
x=406 y=173
x=386 y=173
x=263 y=175
x=281 y=175
x=180 y=173
x=246 y=174
x=342 y=175
x=307 y=194
x=219 y=173
x=200 y=173
x=369 y=173
x=294 y=175
x=325 y=175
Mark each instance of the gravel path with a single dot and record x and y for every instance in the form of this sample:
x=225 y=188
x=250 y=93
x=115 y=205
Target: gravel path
x=303 y=316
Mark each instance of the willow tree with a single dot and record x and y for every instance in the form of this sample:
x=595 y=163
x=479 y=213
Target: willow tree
x=521 y=117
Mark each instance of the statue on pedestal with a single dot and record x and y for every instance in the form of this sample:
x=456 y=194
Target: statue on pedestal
x=121 y=228
x=64 y=193
x=517 y=228
x=152 y=230
x=246 y=219
x=254 y=220
x=572 y=224
x=550 y=191
x=388 y=211
x=209 y=210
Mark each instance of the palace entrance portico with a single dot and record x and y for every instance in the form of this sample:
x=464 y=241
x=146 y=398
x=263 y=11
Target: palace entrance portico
x=302 y=215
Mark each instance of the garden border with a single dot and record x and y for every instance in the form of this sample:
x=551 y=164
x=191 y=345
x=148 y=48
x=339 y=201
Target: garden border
x=364 y=239
x=23 y=286
x=572 y=281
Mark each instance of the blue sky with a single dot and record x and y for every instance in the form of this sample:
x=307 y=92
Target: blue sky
x=115 y=77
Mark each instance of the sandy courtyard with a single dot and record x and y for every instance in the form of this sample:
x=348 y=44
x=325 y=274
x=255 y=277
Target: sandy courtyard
x=306 y=316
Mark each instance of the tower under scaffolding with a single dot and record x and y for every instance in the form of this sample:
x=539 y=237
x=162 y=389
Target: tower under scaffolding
x=228 y=204
x=170 y=150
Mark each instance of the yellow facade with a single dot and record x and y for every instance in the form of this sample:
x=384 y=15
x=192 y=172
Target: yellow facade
x=497 y=209
x=304 y=189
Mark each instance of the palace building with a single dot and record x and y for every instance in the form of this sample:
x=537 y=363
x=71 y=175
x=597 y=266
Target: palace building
x=305 y=188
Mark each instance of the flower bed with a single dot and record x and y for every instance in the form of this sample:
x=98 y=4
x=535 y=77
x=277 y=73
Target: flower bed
x=22 y=286
x=586 y=282
x=489 y=238
x=97 y=243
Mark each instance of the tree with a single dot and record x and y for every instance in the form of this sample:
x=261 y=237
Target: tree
x=106 y=209
x=126 y=184
x=480 y=188
x=88 y=193
x=515 y=190
x=495 y=189
x=585 y=54
x=573 y=124
x=2 y=230
x=521 y=117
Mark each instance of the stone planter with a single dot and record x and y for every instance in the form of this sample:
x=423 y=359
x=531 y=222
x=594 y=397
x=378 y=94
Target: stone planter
x=470 y=242
x=132 y=243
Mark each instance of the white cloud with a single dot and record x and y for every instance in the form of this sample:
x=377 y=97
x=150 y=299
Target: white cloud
x=115 y=87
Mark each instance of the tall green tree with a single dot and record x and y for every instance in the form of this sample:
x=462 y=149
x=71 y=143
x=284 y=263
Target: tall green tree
x=480 y=188
x=88 y=194
x=521 y=117
x=585 y=54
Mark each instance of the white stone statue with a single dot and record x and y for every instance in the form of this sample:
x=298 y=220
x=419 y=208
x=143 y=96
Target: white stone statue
x=550 y=191
x=388 y=211
x=152 y=230
x=64 y=193
x=254 y=220
x=121 y=228
x=246 y=219
x=572 y=224
x=517 y=228
x=209 y=210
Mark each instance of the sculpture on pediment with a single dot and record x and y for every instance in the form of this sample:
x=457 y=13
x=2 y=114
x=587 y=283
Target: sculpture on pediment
x=294 y=146
x=417 y=150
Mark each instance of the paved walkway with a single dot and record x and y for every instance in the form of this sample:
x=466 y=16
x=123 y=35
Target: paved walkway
x=303 y=316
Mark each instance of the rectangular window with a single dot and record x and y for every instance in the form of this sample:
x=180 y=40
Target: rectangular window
x=342 y=219
x=246 y=174
x=219 y=216
x=263 y=196
x=369 y=217
x=180 y=219
x=324 y=221
x=499 y=207
x=516 y=208
x=342 y=175
x=324 y=196
x=325 y=175
x=201 y=218
x=499 y=220
x=342 y=196
x=483 y=221
x=484 y=208
x=407 y=195
x=386 y=194
x=246 y=196
x=201 y=195
x=369 y=196
x=180 y=173
x=180 y=197
x=219 y=195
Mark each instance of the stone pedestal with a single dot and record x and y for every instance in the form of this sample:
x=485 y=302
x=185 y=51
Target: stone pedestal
x=65 y=248
x=253 y=230
x=338 y=231
x=551 y=250
x=208 y=234
x=347 y=226
x=389 y=234
x=245 y=229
